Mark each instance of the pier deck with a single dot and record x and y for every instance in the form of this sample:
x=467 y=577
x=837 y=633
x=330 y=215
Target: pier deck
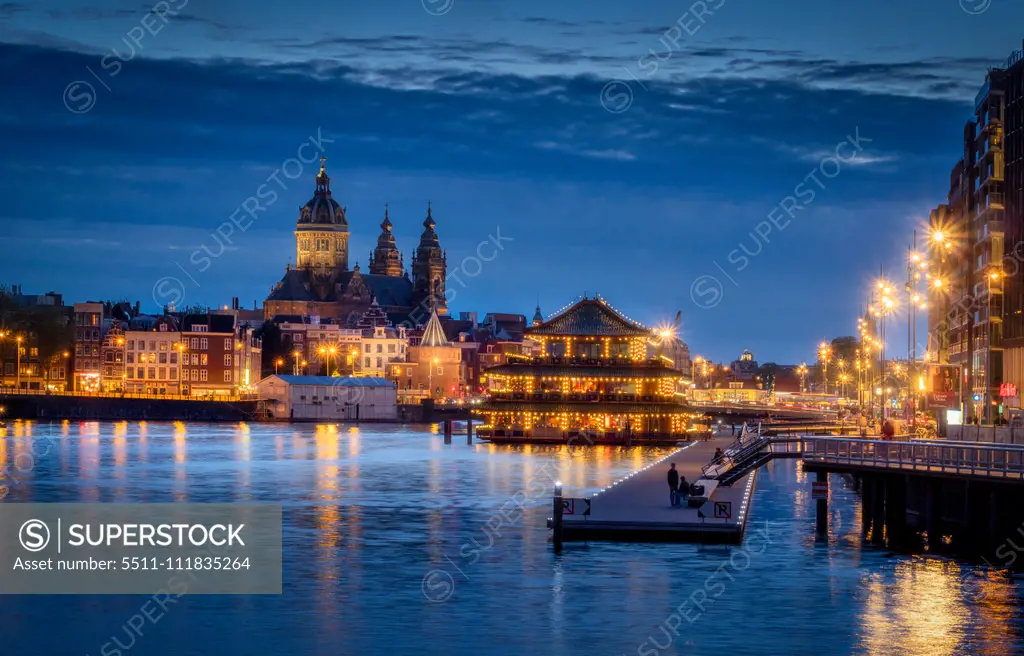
x=637 y=507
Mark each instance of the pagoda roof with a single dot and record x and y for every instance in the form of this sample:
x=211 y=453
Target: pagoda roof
x=590 y=317
x=584 y=371
x=586 y=408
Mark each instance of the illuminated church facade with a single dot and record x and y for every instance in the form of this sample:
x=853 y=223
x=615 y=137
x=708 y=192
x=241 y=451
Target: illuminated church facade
x=322 y=284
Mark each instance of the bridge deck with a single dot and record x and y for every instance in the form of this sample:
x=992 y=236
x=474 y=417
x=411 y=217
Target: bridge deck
x=637 y=507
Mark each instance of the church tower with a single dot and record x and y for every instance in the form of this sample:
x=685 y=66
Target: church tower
x=321 y=233
x=429 y=268
x=385 y=259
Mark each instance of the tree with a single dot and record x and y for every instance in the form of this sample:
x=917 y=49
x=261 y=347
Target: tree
x=273 y=346
x=768 y=372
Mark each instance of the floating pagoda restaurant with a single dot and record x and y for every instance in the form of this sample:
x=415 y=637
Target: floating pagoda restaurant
x=593 y=381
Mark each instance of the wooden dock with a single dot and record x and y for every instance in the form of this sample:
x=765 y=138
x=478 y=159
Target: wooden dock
x=637 y=507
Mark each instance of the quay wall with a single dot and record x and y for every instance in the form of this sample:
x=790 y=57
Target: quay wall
x=44 y=407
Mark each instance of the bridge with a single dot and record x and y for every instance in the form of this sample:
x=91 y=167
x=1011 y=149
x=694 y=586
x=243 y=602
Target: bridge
x=964 y=494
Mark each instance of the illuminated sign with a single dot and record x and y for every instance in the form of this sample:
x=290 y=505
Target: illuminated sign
x=1007 y=390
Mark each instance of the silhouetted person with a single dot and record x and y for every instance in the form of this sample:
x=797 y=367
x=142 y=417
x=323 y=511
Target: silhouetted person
x=673 y=485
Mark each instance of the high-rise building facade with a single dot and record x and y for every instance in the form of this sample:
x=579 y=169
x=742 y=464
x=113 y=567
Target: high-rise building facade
x=1002 y=164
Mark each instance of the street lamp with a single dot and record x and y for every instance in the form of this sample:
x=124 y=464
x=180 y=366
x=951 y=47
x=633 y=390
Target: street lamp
x=824 y=351
x=802 y=371
x=180 y=347
x=297 y=354
x=277 y=365
x=17 y=348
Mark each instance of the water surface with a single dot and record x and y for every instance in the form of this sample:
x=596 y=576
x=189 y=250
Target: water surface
x=396 y=543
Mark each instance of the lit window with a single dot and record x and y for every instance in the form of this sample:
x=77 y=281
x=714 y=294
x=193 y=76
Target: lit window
x=227 y=344
x=227 y=360
x=227 y=376
x=202 y=375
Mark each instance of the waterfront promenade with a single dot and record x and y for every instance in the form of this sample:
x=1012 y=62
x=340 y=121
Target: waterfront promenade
x=637 y=507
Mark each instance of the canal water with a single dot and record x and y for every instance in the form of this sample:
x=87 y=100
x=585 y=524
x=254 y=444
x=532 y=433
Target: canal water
x=396 y=543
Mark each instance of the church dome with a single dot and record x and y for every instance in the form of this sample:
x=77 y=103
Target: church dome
x=322 y=209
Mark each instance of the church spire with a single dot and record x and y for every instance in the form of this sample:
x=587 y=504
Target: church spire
x=386 y=260
x=323 y=181
x=429 y=267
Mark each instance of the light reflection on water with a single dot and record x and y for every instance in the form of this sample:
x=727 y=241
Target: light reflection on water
x=369 y=511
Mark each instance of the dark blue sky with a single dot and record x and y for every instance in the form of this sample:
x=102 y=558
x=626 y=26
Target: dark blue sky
x=621 y=155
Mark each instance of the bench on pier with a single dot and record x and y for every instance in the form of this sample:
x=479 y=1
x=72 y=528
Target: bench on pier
x=710 y=485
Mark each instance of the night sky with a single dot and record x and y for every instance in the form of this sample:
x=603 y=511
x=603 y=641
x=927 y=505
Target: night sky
x=615 y=153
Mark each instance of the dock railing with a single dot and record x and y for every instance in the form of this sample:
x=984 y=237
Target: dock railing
x=996 y=461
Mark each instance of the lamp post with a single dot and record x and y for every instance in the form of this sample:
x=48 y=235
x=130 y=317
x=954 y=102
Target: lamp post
x=802 y=371
x=17 y=349
x=824 y=351
x=120 y=341
x=180 y=347
x=297 y=354
x=277 y=365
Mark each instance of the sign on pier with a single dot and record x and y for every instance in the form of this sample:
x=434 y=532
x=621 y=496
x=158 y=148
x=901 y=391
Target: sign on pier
x=819 y=490
x=569 y=506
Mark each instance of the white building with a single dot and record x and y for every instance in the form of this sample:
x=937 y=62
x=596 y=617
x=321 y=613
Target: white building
x=152 y=359
x=380 y=348
x=329 y=398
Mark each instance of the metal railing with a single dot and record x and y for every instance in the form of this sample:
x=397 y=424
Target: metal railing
x=994 y=461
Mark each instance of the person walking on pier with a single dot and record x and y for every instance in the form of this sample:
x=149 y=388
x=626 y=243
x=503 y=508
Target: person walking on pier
x=673 y=484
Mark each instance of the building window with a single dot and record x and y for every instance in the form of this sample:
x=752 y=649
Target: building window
x=367 y=363
x=152 y=373
x=202 y=375
x=379 y=364
x=195 y=375
x=227 y=376
x=173 y=373
x=195 y=343
x=163 y=346
x=163 y=358
x=163 y=373
x=203 y=360
x=131 y=358
x=380 y=348
x=227 y=359
x=298 y=337
x=152 y=345
x=131 y=344
x=440 y=371
x=228 y=344
x=174 y=358
x=391 y=348
x=203 y=344
x=367 y=348
x=195 y=359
